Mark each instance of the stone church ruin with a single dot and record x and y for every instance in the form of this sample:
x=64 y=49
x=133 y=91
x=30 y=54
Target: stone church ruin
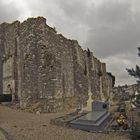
x=42 y=68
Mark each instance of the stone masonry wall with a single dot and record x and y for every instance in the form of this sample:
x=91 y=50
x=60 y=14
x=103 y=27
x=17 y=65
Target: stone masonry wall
x=1 y=54
x=50 y=73
x=8 y=55
x=80 y=73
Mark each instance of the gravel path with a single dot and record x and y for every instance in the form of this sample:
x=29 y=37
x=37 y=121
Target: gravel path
x=27 y=126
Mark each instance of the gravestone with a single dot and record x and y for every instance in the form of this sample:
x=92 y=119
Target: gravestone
x=96 y=120
x=99 y=106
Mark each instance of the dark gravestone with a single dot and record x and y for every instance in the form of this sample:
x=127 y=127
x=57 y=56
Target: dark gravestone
x=99 y=106
x=5 y=97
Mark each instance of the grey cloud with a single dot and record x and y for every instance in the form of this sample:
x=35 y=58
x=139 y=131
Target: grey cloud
x=107 y=41
x=76 y=10
x=117 y=65
x=113 y=12
x=115 y=30
x=8 y=12
x=63 y=15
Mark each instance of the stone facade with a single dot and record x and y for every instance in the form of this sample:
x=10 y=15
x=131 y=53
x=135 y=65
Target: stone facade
x=46 y=69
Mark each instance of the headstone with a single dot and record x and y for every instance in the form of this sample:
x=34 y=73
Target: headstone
x=99 y=106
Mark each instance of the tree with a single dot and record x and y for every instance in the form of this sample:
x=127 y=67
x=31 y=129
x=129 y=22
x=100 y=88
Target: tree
x=135 y=72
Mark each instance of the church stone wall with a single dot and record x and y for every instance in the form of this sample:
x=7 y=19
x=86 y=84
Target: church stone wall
x=8 y=54
x=47 y=71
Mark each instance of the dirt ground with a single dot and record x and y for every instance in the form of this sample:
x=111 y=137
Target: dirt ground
x=26 y=126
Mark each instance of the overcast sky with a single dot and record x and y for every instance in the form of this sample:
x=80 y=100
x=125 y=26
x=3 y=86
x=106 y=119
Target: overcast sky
x=110 y=28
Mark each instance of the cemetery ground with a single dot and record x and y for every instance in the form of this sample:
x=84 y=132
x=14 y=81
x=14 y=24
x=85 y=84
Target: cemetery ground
x=20 y=125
